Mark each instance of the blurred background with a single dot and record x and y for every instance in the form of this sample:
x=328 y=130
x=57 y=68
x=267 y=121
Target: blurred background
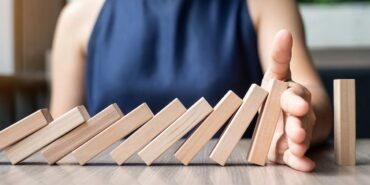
x=337 y=31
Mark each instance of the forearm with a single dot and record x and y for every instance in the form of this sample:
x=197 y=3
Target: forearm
x=67 y=67
x=324 y=115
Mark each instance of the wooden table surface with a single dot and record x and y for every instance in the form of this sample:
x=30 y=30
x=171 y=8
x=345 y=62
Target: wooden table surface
x=167 y=170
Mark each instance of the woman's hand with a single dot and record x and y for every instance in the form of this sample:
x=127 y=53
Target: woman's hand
x=294 y=129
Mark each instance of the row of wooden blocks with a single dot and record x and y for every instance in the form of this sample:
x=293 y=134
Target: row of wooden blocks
x=84 y=137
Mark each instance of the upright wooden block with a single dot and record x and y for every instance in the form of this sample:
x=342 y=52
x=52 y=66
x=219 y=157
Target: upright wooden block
x=47 y=134
x=266 y=124
x=224 y=109
x=69 y=142
x=345 y=122
x=148 y=131
x=113 y=133
x=239 y=124
x=24 y=127
x=175 y=131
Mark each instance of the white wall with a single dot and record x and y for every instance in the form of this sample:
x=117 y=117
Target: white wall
x=6 y=37
x=343 y=25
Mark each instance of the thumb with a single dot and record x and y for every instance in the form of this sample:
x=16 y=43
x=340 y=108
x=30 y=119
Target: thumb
x=281 y=53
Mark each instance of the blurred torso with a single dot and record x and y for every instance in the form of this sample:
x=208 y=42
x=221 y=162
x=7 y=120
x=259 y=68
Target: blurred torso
x=156 y=50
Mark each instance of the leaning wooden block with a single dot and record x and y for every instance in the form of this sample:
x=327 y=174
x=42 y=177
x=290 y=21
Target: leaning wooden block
x=175 y=131
x=113 y=133
x=266 y=124
x=69 y=142
x=239 y=124
x=24 y=127
x=227 y=106
x=148 y=131
x=345 y=122
x=46 y=135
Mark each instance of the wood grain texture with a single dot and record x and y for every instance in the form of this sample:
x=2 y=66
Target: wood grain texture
x=57 y=128
x=202 y=171
x=252 y=101
x=175 y=131
x=148 y=131
x=224 y=109
x=113 y=133
x=345 y=121
x=72 y=140
x=266 y=124
x=24 y=127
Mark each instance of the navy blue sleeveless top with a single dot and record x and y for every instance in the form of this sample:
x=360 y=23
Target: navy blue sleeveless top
x=156 y=50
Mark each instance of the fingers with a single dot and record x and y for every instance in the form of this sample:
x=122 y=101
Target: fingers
x=296 y=100
x=281 y=53
x=296 y=149
x=311 y=121
x=296 y=136
x=294 y=129
x=299 y=163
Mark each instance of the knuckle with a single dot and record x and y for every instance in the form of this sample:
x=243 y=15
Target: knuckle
x=302 y=91
x=308 y=93
x=285 y=100
x=313 y=118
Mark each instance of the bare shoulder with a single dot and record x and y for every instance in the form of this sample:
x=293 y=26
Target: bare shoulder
x=271 y=9
x=255 y=8
x=78 y=19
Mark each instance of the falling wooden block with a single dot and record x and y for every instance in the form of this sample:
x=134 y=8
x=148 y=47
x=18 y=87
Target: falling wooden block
x=69 y=142
x=345 y=121
x=175 y=131
x=113 y=133
x=24 y=127
x=148 y=131
x=227 y=106
x=57 y=128
x=266 y=124
x=239 y=124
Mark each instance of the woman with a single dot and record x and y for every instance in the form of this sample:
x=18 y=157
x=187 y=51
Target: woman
x=134 y=51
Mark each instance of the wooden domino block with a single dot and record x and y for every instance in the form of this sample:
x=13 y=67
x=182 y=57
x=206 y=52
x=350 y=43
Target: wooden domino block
x=345 y=122
x=113 y=133
x=147 y=132
x=252 y=101
x=266 y=124
x=57 y=128
x=24 y=127
x=175 y=131
x=224 y=109
x=69 y=142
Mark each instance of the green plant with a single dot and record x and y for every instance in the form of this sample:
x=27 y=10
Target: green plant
x=330 y=1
